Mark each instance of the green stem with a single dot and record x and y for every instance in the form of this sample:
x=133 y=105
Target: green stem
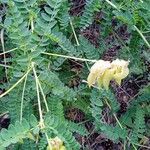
x=41 y=123
x=74 y=33
x=43 y=95
x=113 y=5
x=32 y=25
x=2 y=65
x=69 y=57
x=11 y=50
x=13 y=86
x=48 y=141
x=38 y=96
x=3 y=47
x=142 y=36
x=22 y=98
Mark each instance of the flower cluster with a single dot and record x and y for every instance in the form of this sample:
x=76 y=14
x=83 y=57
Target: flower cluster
x=102 y=72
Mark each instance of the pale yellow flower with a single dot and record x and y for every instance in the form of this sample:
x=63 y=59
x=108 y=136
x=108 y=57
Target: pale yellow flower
x=56 y=144
x=122 y=70
x=102 y=72
x=97 y=70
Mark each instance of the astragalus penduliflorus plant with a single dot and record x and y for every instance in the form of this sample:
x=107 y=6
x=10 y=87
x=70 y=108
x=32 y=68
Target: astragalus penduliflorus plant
x=41 y=45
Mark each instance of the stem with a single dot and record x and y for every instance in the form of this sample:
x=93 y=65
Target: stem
x=44 y=97
x=22 y=98
x=38 y=85
x=3 y=47
x=142 y=36
x=120 y=125
x=11 y=50
x=74 y=33
x=13 y=86
x=49 y=144
x=113 y=5
x=2 y=65
x=38 y=96
x=141 y=145
x=32 y=25
x=77 y=40
x=70 y=57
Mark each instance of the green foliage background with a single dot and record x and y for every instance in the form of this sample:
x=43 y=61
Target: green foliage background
x=35 y=32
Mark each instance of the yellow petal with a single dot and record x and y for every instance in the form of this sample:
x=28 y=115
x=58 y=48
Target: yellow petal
x=100 y=81
x=103 y=72
x=107 y=77
x=63 y=148
x=97 y=70
x=119 y=76
x=91 y=79
x=121 y=70
x=100 y=66
x=120 y=63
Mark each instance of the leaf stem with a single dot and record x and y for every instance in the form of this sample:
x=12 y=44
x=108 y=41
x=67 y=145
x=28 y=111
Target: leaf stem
x=49 y=144
x=2 y=65
x=69 y=57
x=43 y=95
x=142 y=36
x=38 y=85
x=112 y=4
x=3 y=47
x=74 y=33
x=38 y=96
x=22 y=98
x=13 y=86
x=32 y=25
x=11 y=50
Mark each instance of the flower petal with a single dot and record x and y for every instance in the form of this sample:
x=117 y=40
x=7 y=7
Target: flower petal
x=103 y=72
x=107 y=77
x=97 y=70
x=119 y=76
x=91 y=79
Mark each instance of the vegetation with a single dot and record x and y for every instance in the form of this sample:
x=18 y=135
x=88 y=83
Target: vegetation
x=43 y=54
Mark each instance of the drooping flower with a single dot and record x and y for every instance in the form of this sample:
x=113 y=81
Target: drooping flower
x=97 y=70
x=122 y=70
x=102 y=72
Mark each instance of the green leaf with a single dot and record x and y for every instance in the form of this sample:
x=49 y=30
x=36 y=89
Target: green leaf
x=46 y=17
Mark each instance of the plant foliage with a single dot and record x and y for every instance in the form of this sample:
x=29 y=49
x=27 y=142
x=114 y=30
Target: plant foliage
x=41 y=46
